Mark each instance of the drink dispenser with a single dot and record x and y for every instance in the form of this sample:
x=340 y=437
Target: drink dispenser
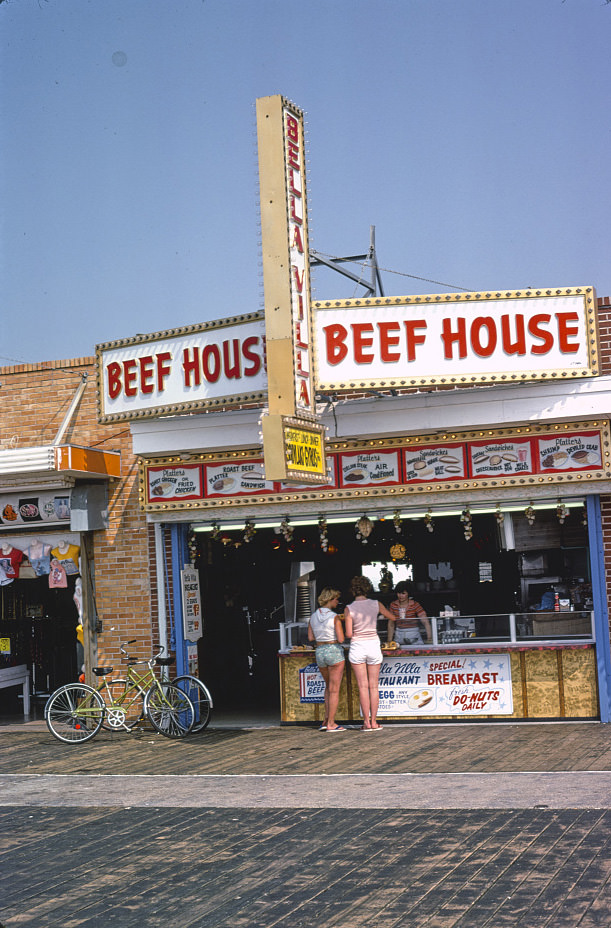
x=299 y=604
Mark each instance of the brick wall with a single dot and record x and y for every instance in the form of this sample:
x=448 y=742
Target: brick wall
x=35 y=399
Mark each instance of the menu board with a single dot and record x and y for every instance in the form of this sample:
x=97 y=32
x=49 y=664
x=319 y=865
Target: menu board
x=434 y=462
x=230 y=479
x=500 y=458
x=175 y=483
x=569 y=452
x=377 y=468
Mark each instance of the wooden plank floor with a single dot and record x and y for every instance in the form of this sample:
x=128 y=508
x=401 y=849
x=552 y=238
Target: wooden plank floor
x=409 y=749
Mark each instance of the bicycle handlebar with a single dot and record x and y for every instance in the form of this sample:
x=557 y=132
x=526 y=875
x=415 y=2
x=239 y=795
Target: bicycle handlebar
x=150 y=661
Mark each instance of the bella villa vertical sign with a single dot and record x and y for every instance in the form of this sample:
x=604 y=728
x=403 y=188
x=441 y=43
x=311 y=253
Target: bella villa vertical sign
x=286 y=280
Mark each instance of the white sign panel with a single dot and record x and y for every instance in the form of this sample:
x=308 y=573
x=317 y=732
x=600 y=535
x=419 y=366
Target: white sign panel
x=191 y=604
x=457 y=338
x=461 y=684
x=183 y=369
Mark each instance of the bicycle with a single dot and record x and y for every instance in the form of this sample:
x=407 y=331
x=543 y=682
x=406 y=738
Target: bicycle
x=76 y=712
x=200 y=696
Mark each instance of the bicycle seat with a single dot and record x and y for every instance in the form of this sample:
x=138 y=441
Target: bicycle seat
x=164 y=661
x=102 y=671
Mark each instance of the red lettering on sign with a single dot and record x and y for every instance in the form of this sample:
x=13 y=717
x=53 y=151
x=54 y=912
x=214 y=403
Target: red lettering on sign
x=292 y=128
x=449 y=337
x=255 y=365
x=298 y=279
x=566 y=331
x=293 y=156
x=190 y=366
x=362 y=341
x=487 y=323
x=335 y=341
x=232 y=368
x=297 y=243
x=304 y=395
x=299 y=342
x=211 y=363
x=534 y=327
x=130 y=376
x=164 y=369
x=413 y=338
x=147 y=373
x=517 y=344
x=114 y=379
x=388 y=341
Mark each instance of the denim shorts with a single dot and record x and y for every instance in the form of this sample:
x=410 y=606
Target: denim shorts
x=329 y=654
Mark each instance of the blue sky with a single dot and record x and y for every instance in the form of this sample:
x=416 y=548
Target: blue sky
x=474 y=135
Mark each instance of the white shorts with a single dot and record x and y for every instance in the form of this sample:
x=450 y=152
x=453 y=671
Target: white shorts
x=365 y=651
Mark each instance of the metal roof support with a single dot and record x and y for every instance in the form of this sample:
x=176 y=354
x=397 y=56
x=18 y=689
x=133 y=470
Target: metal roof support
x=376 y=280
x=67 y=418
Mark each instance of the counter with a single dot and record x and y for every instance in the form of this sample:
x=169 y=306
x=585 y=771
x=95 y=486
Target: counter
x=556 y=680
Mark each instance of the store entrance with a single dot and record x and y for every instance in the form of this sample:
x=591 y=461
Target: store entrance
x=242 y=577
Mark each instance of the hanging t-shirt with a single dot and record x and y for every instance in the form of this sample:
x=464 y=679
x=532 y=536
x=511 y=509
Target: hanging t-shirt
x=10 y=562
x=39 y=557
x=68 y=559
x=57 y=576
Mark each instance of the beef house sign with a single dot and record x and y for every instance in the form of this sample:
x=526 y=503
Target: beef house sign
x=459 y=338
x=180 y=370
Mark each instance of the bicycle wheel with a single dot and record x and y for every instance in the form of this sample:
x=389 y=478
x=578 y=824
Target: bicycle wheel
x=169 y=710
x=199 y=694
x=124 y=706
x=74 y=713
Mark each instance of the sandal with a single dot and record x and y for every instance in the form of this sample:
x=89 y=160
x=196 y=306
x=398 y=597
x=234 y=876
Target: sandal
x=337 y=728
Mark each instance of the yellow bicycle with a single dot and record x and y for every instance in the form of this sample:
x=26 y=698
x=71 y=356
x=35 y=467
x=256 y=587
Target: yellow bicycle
x=76 y=712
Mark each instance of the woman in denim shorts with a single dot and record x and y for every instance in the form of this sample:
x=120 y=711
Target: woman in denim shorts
x=325 y=628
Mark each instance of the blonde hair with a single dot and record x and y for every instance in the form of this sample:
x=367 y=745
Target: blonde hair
x=327 y=595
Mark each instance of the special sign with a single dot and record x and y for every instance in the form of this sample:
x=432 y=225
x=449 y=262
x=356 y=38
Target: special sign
x=456 y=338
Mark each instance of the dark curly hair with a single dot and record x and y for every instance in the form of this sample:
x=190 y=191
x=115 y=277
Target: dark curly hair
x=361 y=586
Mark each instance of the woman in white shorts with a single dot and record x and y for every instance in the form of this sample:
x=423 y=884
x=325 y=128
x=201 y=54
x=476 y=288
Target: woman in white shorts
x=365 y=654
x=325 y=629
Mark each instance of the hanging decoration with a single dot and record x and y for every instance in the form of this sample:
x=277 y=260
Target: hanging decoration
x=467 y=524
x=529 y=512
x=562 y=512
x=192 y=546
x=397 y=552
x=584 y=516
x=386 y=582
x=364 y=528
x=249 y=531
x=498 y=515
x=286 y=529
x=216 y=530
x=322 y=533
x=396 y=518
x=428 y=520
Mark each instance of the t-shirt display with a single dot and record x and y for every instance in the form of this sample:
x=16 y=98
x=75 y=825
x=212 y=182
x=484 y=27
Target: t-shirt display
x=10 y=560
x=39 y=556
x=68 y=556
